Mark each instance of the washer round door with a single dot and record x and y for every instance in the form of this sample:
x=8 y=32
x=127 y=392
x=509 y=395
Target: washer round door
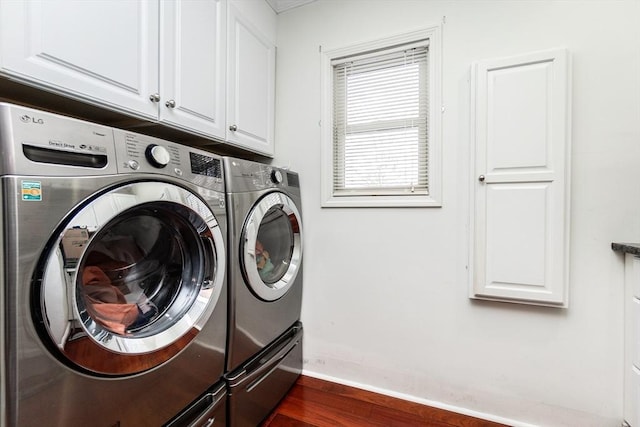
x=130 y=278
x=271 y=253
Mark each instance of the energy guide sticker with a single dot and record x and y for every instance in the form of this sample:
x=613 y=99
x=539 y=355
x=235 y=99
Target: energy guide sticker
x=31 y=191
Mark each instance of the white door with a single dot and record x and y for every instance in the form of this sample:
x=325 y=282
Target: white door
x=192 y=71
x=521 y=190
x=100 y=50
x=251 y=60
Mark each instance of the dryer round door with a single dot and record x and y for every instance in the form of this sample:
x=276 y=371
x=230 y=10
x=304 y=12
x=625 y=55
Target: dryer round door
x=130 y=278
x=271 y=249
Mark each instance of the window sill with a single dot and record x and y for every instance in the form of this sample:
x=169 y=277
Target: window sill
x=381 y=202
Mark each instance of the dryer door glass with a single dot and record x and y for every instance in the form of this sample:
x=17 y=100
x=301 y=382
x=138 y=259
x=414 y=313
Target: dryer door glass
x=132 y=278
x=272 y=252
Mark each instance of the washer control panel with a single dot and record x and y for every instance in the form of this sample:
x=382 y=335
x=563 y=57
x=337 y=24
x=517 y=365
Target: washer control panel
x=146 y=154
x=137 y=152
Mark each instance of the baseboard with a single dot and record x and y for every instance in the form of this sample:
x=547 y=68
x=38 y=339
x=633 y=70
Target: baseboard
x=434 y=404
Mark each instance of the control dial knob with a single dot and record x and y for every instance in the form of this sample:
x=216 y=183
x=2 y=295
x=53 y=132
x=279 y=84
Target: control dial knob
x=157 y=155
x=276 y=176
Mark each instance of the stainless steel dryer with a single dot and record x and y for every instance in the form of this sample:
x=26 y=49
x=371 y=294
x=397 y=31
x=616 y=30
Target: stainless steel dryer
x=113 y=284
x=264 y=351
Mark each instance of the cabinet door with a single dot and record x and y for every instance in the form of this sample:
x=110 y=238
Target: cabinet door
x=521 y=188
x=100 y=51
x=632 y=396
x=251 y=59
x=631 y=406
x=192 y=58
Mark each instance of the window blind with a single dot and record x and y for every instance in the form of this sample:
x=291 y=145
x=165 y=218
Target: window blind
x=380 y=122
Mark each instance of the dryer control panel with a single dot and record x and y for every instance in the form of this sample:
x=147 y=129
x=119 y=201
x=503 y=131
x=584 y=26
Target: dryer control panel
x=246 y=175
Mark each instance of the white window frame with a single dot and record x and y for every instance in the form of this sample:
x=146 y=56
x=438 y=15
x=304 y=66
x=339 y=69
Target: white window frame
x=434 y=136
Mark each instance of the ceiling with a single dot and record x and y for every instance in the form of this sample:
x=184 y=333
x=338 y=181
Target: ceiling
x=282 y=5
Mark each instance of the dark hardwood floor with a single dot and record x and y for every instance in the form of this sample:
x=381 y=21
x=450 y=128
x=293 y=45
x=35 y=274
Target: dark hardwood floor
x=317 y=403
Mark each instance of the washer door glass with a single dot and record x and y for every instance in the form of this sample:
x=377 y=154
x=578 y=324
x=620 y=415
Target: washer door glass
x=272 y=246
x=132 y=278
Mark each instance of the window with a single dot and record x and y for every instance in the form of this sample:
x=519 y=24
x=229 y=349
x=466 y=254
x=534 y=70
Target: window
x=381 y=139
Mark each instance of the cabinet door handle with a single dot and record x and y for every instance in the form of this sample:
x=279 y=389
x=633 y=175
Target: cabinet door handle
x=154 y=97
x=170 y=103
x=481 y=178
x=233 y=128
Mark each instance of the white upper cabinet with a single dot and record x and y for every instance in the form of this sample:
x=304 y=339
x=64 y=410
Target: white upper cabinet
x=157 y=60
x=521 y=193
x=102 y=51
x=192 y=66
x=251 y=57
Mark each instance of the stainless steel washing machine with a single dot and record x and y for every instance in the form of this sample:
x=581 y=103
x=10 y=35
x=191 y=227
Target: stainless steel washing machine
x=113 y=286
x=264 y=349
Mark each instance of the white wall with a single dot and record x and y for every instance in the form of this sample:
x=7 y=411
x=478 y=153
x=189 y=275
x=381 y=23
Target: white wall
x=385 y=303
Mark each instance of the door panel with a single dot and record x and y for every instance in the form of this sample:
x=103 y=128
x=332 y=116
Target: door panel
x=517 y=213
x=517 y=124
